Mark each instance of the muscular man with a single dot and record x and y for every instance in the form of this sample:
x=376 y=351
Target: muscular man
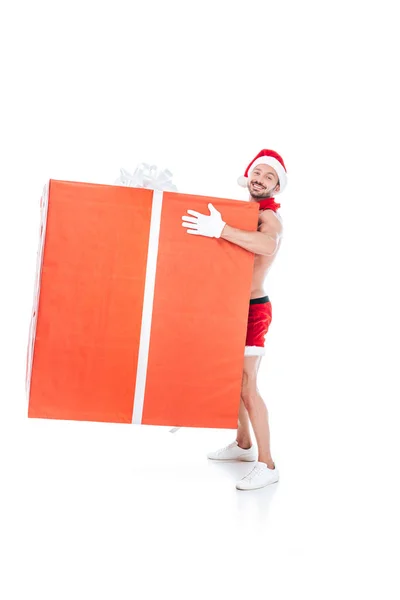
x=264 y=177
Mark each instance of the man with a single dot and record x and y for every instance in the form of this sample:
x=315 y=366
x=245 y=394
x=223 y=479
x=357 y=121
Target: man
x=264 y=177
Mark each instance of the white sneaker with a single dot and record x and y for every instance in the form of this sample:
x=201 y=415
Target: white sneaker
x=259 y=477
x=234 y=452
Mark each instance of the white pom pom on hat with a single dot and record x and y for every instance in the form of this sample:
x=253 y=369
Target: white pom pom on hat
x=242 y=181
x=271 y=158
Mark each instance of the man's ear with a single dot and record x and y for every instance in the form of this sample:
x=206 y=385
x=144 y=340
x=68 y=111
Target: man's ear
x=277 y=187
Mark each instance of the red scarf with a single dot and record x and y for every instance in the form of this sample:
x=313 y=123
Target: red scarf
x=268 y=203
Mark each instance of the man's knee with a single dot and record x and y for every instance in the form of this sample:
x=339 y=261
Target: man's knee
x=249 y=391
x=249 y=395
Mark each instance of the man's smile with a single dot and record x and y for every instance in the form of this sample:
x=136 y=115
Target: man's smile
x=257 y=186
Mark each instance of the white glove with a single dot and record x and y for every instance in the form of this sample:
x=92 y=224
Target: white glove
x=208 y=225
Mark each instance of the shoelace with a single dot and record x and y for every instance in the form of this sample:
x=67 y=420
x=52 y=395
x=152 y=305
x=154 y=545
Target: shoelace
x=256 y=470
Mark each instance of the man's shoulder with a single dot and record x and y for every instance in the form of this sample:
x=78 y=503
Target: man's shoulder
x=271 y=219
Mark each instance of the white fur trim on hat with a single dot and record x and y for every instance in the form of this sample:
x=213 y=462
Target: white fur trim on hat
x=242 y=181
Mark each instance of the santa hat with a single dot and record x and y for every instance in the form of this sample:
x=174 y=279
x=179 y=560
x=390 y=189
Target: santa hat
x=271 y=158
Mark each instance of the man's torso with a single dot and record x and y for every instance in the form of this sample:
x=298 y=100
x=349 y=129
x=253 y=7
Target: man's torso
x=262 y=264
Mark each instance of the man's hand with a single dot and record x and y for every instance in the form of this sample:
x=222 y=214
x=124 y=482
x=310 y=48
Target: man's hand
x=208 y=225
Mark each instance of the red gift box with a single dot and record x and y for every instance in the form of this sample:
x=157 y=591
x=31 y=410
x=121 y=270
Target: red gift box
x=134 y=320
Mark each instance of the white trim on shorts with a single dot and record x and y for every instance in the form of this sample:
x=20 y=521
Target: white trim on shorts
x=254 y=351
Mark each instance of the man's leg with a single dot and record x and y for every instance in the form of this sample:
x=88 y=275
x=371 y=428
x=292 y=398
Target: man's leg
x=243 y=436
x=256 y=409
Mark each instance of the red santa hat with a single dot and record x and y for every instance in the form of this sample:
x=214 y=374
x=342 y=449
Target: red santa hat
x=271 y=158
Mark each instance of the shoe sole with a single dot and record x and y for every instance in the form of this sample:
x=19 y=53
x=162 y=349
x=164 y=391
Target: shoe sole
x=233 y=459
x=259 y=487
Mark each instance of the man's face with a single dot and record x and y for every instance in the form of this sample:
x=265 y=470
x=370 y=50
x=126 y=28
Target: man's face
x=263 y=182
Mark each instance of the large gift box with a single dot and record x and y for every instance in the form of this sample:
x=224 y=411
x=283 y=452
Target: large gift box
x=134 y=320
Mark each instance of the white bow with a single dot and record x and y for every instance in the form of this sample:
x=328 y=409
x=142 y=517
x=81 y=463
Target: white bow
x=147 y=176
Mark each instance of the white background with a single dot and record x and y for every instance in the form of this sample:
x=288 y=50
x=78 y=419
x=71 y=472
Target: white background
x=109 y=511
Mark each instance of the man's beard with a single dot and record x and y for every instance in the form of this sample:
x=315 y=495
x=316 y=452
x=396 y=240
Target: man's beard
x=259 y=195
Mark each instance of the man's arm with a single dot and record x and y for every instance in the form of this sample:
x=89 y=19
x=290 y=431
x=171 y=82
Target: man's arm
x=264 y=241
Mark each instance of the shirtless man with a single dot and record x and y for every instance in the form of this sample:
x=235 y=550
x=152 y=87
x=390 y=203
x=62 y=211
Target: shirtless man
x=264 y=177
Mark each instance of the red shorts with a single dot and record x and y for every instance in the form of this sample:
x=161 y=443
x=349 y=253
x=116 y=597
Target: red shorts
x=259 y=319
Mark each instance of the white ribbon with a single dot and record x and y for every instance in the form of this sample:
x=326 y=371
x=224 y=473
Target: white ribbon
x=147 y=176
